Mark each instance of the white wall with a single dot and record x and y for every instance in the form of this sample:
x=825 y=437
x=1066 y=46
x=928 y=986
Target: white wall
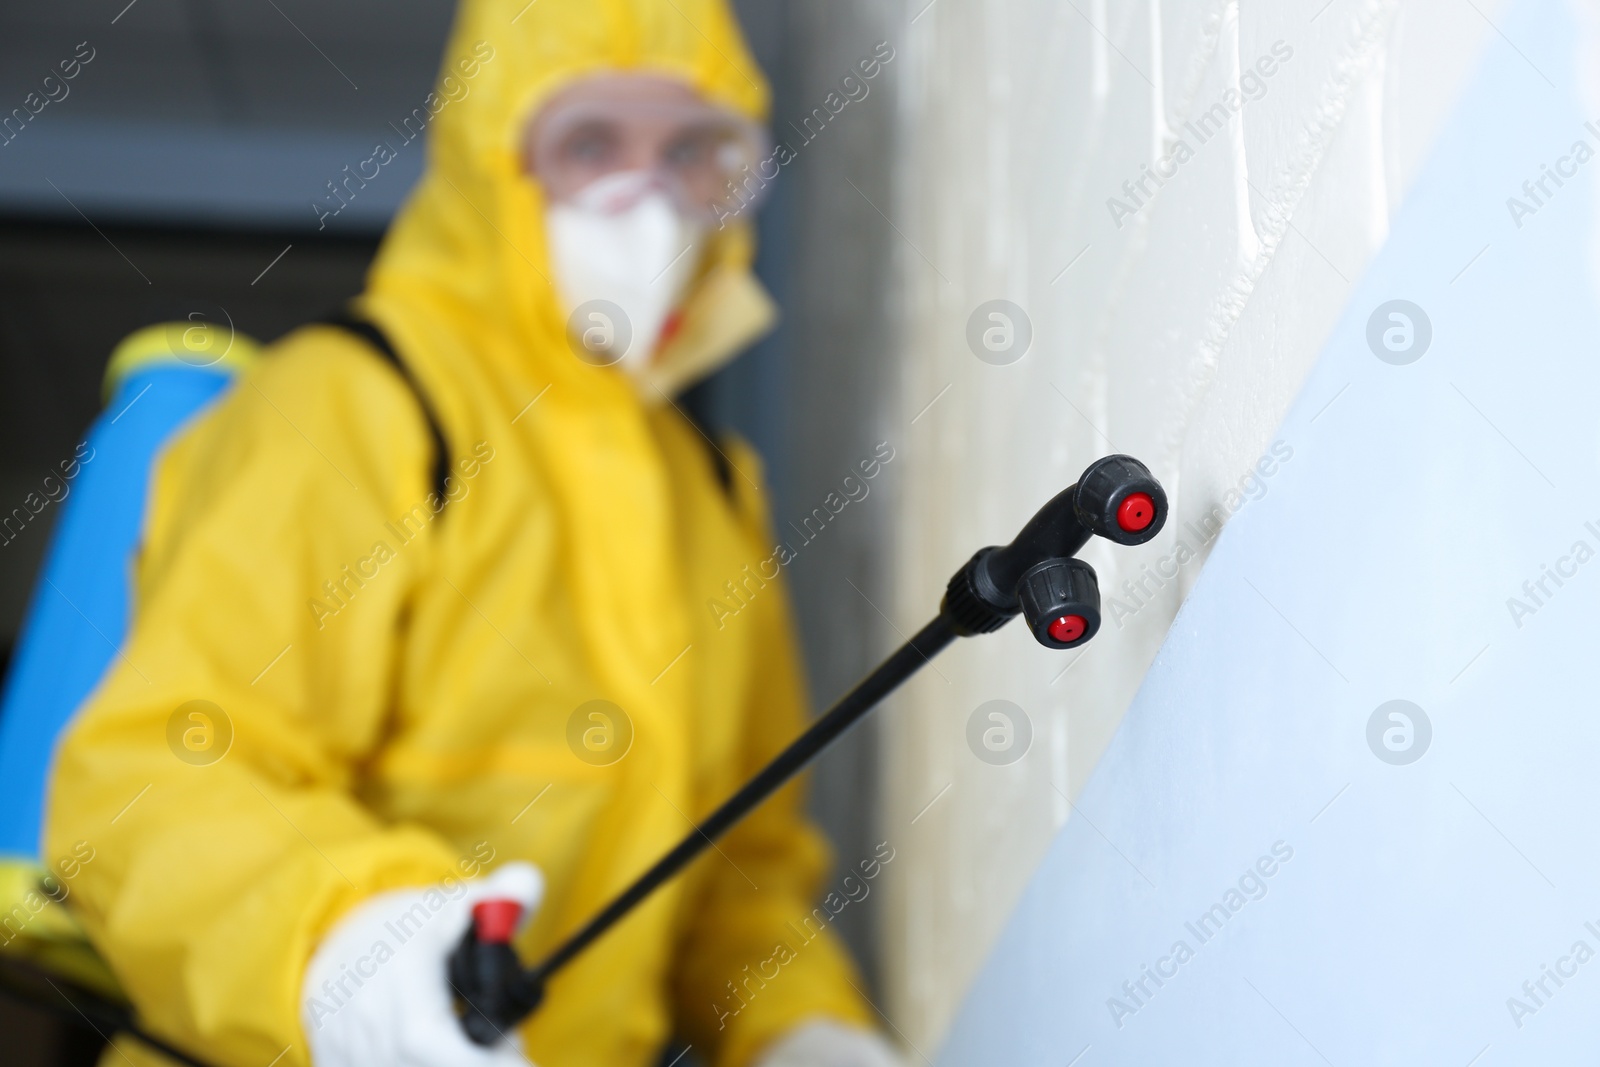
x=1179 y=337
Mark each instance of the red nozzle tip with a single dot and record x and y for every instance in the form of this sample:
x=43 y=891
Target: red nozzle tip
x=1068 y=628
x=1136 y=512
x=496 y=920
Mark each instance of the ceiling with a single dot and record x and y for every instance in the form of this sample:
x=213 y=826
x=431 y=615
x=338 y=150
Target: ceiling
x=205 y=112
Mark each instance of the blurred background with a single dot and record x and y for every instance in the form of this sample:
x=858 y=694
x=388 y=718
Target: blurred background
x=179 y=174
x=991 y=161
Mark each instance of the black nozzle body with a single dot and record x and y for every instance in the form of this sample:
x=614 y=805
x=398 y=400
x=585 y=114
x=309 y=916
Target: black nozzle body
x=1117 y=498
x=493 y=991
x=1060 y=601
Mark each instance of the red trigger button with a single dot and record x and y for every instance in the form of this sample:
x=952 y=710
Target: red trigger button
x=496 y=920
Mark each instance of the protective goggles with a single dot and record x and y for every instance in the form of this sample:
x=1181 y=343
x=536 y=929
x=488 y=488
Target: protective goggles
x=704 y=156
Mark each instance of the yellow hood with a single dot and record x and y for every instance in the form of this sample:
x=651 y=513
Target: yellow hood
x=471 y=240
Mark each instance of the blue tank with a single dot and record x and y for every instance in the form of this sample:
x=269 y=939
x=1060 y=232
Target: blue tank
x=77 y=618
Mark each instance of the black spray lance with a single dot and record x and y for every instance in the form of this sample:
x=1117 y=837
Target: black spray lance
x=1036 y=575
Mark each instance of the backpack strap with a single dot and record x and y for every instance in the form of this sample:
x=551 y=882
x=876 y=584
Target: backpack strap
x=380 y=344
x=697 y=406
x=719 y=459
x=694 y=407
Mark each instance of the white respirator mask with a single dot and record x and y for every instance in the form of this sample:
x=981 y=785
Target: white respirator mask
x=623 y=256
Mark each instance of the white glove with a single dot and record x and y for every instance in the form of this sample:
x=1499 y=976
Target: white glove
x=829 y=1044
x=376 y=990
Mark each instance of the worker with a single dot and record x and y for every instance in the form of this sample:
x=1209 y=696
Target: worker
x=359 y=694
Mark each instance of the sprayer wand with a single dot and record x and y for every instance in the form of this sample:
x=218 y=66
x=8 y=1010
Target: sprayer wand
x=1036 y=575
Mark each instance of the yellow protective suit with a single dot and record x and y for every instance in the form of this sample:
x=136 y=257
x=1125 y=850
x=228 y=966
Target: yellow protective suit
x=398 y=684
